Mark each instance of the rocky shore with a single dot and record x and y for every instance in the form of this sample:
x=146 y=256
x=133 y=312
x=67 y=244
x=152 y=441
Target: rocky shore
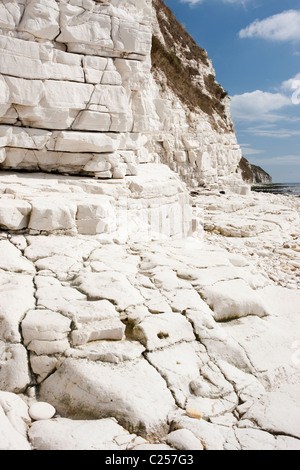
x=138 y=310
x=184 y=344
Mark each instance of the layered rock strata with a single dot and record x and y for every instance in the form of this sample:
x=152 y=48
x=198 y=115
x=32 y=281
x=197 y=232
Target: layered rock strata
x=195 y=135
x=71 y=76
x=82 y=93
x=152 y=205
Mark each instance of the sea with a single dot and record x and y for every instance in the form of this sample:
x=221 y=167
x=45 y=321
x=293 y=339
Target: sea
x=279 y=188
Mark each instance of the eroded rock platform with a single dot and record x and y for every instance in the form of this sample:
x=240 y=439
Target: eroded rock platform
x=124 y=339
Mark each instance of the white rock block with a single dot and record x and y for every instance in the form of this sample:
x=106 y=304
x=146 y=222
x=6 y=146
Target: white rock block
x=184 y=439
x=84 y=142
x=44 y=325
x=14 y=421
x=133 y=392
x=93 y=68
x=41 y=410
x=111 y=329
x=41 y=347
x=133 y=72
x=11 y=259
x=84 y=311
x=47 y=215
x=131 y=37
x=111 y=77
x=162 y=330
x=14 y=368
x=69 y=434
x=120 y=171
x=4 y=95
x=46 y=118
x=92 y=121
x=10 y=14
x=82 y=27
x=69 y=161
x=64 y=94
x=104 y=175
x=18 y=158
x=98 y=209
x=42 y=366
x=95 y=217
x=113 y=286
x=121 y=122
x=192 y=156
x=278 y=411
x=41 y=19
x=14 y=214
x=234 y=299
x=132 y=169
x=114 y=98
x=179 y=364
x=2 y=154
x=209 y=434
x=25 y=138
x=25 y=92
x=97 y=165
x=93 y=76
x=16 y=297
x=180 y=156
x=113 y=352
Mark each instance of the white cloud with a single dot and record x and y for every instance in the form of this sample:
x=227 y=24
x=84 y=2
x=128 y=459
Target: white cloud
x=293 y=87
x=248 y=150
x=277 y=161
x=196 y=2
x=258 y=105
x=284 y=26
x=276 y=133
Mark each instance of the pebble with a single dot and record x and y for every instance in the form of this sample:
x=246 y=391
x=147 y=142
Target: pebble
x=193 y=413
x=41 y=410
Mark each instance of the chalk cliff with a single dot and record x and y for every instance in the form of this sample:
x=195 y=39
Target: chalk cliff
x=253 y=174
x=260 y=175
x=92 y=88
x=196 y=135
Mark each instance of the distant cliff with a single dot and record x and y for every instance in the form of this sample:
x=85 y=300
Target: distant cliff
x=260 y=176
x=253 y=174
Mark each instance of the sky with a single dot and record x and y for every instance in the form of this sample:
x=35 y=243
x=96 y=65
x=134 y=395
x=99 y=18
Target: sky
x=255 y=49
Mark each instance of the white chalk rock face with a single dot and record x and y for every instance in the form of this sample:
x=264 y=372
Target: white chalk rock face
x=59 y=72
x=233 y=299
x=41 y=19
x=84 y=69
x=15 y=375
x=16 y=298
x=14 y=214
x=133 y=392
x=14 y=422
x=67 y=434
x=41 y=410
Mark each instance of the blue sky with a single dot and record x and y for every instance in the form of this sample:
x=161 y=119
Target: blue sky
x=255 y=49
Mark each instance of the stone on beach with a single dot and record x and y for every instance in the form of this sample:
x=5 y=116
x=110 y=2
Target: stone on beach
x=133 y=392
x=41 y=411
x=67 y=434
